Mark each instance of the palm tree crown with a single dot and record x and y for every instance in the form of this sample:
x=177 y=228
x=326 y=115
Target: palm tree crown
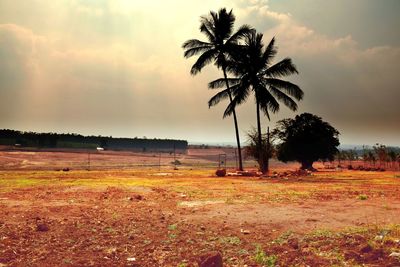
x=254 y=71
x=218 y=29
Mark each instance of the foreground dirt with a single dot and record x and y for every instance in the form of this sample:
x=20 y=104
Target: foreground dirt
x=171 y=218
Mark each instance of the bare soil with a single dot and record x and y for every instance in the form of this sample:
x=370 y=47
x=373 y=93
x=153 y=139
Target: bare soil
x=143 y=217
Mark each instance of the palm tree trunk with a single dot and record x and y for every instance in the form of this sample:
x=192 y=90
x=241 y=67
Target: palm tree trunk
x=235 y=122
x=260 y=148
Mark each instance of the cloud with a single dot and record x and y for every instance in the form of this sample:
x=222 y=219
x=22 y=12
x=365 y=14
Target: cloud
x=353 y=87
x=116 y=67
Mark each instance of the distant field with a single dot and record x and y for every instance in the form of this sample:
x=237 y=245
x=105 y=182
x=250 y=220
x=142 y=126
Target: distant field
x=34 y=159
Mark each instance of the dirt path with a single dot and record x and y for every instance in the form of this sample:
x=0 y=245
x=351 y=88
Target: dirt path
x=301 y=218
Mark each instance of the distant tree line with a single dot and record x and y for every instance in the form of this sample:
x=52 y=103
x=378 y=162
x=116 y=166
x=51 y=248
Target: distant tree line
x=377 y=156
x=77 y=141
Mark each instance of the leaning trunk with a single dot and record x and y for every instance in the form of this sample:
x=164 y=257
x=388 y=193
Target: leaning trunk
x=268 y=152
x=235 y=122
x=263 y=167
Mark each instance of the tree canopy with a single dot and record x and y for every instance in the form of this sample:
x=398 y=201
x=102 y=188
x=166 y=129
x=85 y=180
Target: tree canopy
x=306 y=139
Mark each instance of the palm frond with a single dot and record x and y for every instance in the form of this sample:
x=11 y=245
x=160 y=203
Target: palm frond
x=288 y=87
x=241 y=94
x=266 y=100
x=270 y=52
x=218 y=97
x=223 y=22
x=284 y=67
x=289 y=102
x=193 y=43
x=239 y=34
x=220 y=83
x=206 y=58
x=196 y=50
x=207 y=28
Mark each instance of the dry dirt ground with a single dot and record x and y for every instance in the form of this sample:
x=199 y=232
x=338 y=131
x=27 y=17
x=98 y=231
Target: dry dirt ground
x=143 y=217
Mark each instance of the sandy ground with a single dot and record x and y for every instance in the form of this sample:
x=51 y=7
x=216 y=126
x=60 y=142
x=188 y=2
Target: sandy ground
x=143 y=217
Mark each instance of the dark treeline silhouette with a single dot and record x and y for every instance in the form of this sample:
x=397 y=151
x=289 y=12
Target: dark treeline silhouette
x=77 y=141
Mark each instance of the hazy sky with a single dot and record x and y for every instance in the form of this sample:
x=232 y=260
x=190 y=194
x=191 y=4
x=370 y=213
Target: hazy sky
x=116 y=67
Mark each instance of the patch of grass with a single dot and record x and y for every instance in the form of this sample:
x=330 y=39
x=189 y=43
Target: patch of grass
x=182 y=264
x=263 y=259
x=67 y=261
x=283 y=237
x=109 y=229
x=146 y=241
x=232 y=240
x=362 y=197
x=172 y=227
x=172 y=236
x=324 y=233
x=243 y=252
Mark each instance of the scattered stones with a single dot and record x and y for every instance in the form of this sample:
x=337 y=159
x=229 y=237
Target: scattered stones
x=245 y=232
x=395 y=255
x=366 y=249
x=136 y=197
x=42 y=227
x=211 y=259
x=294 y=243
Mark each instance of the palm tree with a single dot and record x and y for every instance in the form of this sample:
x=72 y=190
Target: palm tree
x=219 y=47
x=254 y=72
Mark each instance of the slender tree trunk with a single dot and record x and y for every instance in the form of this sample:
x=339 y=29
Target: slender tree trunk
x=235 y=122
x=268 y=152
x=260 y=148
x=307 y=165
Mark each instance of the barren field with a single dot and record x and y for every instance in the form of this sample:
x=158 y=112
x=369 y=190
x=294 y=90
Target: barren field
x=152 y=217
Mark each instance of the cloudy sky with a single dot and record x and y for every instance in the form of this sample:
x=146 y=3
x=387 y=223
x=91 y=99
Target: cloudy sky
x=116 y=67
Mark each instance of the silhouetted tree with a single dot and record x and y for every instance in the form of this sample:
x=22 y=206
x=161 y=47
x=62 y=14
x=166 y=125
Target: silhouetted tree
x=255 y=73
x=220 y=45
x=306 y=138
x=253 y=147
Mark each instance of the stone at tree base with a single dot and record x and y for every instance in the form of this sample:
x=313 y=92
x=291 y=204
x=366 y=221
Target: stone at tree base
x=211 y=259
x=221 y=172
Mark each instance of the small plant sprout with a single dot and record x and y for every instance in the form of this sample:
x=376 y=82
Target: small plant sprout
x=263 y=259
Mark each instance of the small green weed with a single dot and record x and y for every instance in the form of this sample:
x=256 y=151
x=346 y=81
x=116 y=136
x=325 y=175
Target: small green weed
x=362 y=197
x=263 y=259
x=283 y=237
x=172 y=236
x=232 y=240
x=321 y=233
x=172 y=227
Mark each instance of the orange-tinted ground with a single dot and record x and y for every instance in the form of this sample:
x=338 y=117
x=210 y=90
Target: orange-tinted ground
x=148 y=217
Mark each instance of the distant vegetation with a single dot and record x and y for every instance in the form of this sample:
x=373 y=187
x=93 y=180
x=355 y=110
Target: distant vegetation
x=77 y=141
x=378 y=156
